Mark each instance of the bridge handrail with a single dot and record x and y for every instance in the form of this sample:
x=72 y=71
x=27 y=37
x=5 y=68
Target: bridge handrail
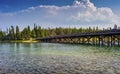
x=113 y=31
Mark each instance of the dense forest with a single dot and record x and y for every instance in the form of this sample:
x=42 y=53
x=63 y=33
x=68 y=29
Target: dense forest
x=14 y=33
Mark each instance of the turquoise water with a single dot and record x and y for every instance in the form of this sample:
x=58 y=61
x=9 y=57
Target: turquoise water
x=53 y=49
x=17 y=57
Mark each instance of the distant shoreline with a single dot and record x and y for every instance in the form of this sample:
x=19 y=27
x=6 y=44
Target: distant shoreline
x=22 y=41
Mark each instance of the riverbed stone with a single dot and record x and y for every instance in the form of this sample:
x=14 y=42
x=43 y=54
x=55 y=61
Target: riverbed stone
x=50 y=64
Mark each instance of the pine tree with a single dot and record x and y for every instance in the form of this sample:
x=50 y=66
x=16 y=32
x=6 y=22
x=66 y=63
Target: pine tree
x=12 y=33
x=28 y=32
x=33 y=34
x=2 y=35
x=18 y=36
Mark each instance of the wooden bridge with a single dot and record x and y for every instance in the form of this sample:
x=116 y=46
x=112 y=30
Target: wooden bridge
x=108 y=38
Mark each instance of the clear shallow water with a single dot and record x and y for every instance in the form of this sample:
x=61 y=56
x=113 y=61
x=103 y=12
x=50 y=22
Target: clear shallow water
x=39 y=58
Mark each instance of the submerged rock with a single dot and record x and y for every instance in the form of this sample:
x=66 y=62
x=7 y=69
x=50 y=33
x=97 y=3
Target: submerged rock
x=50 y=64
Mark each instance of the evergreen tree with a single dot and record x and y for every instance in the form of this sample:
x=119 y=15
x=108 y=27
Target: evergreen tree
x=12 y=33
x=43 y=33
x=38 y=32
x=2 y=35
x=97 y=29
x=18 y=36
x=33 y=34
x=28 y=32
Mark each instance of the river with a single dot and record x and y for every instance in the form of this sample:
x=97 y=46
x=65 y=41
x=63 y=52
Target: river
x=53 y=58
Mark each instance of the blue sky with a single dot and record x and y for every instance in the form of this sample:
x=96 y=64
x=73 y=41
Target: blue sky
x=15 y=12
x=16 y=5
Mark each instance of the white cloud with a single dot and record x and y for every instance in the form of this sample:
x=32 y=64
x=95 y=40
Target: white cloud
x=81 y=12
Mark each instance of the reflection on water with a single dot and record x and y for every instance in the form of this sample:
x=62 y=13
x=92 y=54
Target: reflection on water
x=56 y=49
x=14 y=57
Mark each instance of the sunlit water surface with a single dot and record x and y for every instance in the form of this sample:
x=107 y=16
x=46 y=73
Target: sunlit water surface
x=50 y=58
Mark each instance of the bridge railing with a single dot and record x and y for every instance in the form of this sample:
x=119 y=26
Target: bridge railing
x=105 y=32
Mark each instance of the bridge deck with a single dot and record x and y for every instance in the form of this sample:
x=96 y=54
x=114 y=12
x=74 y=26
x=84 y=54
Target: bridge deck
x=109 y=37
x=99 y=33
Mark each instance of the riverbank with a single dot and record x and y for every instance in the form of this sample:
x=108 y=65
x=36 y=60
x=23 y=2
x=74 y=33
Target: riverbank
x=21 y=41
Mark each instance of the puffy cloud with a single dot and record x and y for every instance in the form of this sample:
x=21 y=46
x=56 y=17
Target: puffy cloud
x=81 y=12
x=92 y=14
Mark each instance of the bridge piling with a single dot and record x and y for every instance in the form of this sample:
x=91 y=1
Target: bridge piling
x=109 y=38
x=118 y=40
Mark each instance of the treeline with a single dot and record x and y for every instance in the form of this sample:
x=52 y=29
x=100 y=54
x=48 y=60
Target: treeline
x=14 y=33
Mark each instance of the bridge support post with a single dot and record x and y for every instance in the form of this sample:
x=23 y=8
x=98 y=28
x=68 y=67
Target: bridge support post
x=96 y=41
x=88 y=40
x=99 y=39
x=118 y=40
x=83 y=40
x=93 y=40
x=111 y=40
x=102 y=40
x=108 y=41
x=114 y=40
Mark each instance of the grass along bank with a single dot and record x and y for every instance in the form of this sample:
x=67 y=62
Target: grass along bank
x=31 y=40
